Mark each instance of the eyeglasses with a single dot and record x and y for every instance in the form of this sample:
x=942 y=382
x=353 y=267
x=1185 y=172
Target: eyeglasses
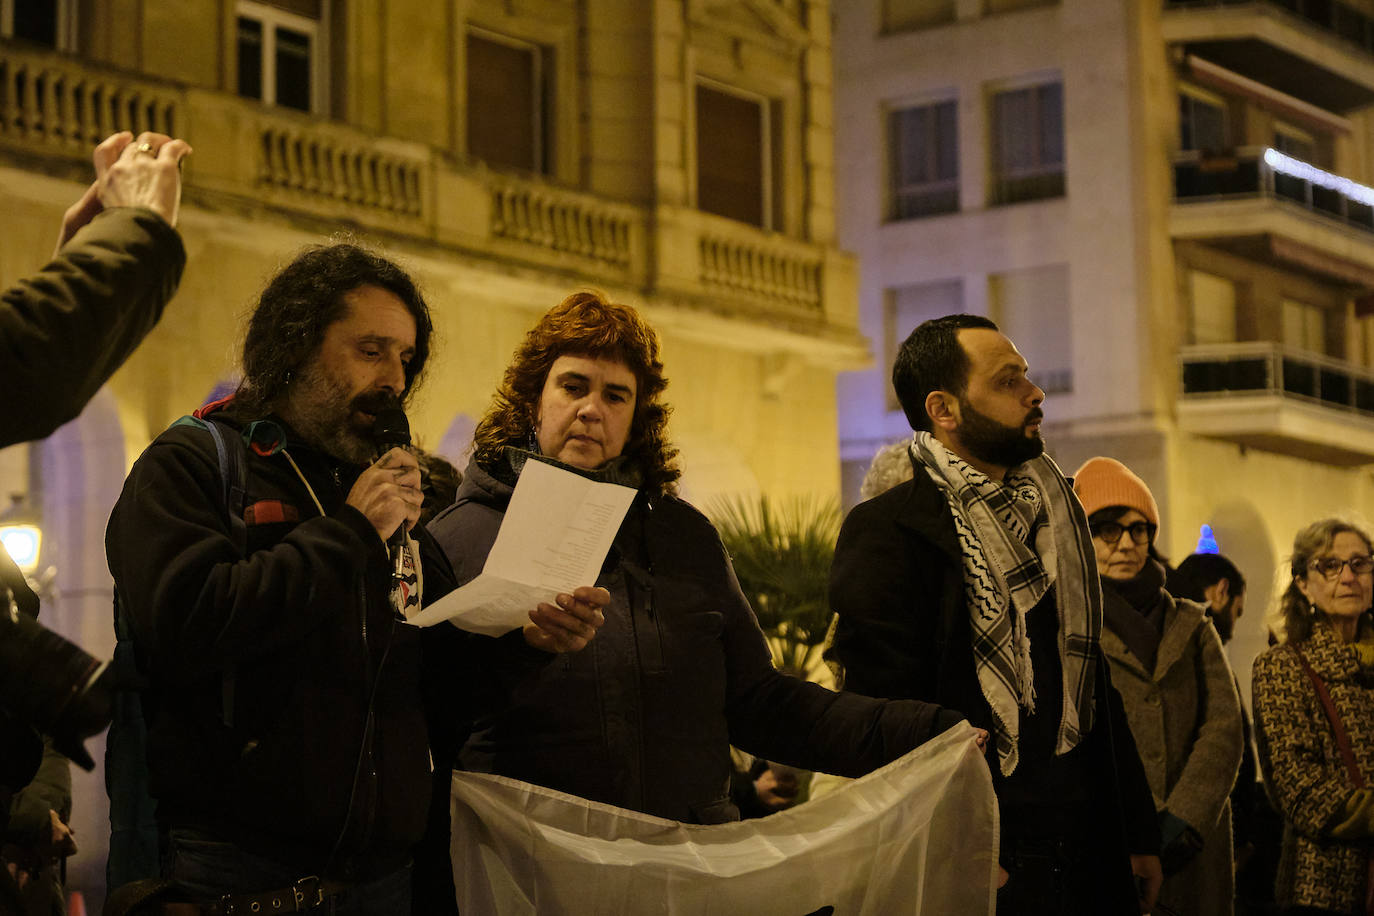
x=1330 y=567
x=1110 y=532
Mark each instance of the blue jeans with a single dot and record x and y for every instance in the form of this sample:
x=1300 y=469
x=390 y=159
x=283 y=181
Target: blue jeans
x=207 y=868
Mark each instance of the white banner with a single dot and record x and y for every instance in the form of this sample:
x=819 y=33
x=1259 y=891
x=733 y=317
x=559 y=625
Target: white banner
x=918 y=836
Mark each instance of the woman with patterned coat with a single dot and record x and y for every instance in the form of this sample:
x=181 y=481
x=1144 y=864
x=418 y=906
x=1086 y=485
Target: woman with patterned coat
x=1321 y=783
x=1180 y=696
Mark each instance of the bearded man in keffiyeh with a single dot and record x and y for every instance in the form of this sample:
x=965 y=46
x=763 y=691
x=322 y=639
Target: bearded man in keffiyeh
x=974 y=585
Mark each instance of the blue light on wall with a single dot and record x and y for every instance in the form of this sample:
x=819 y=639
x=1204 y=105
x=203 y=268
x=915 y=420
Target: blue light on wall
x=1206 y=541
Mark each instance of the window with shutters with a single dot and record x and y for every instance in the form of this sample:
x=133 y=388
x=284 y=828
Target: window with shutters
x=509 y=97
x=281 y=52
x=1028 y=143
x=923 y=149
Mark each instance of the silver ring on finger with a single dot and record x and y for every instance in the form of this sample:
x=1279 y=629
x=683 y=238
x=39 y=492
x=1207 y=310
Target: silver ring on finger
x=146 y=149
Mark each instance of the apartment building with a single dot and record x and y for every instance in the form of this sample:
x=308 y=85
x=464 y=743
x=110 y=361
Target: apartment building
x=1166 y=204
x=676 y=154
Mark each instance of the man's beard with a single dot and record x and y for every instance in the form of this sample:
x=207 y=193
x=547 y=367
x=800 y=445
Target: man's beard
x=327 y=417
x=1224 y=621
x=994 y=443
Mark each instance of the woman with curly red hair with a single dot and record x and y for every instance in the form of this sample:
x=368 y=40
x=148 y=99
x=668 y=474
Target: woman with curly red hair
x=644 y=717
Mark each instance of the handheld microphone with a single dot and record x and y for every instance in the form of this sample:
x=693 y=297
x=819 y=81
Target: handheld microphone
x=391 y=429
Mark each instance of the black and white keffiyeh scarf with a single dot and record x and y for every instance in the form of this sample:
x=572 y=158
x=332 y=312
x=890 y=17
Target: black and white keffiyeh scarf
x=1018 y=538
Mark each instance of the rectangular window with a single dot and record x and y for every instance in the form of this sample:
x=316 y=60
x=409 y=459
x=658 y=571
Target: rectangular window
x=508 y=101
x=280 y=52
x=904 y=307
x=924 y=147
x=1299 y=144
x=1032 y=308
x=1304 y=326
x=1028 y=144
x=50 y=23
x=1202 y=123
x=1362 y=349
x=1212 y=316
x=1010 y=6
x=734 y=155
x=909 y=15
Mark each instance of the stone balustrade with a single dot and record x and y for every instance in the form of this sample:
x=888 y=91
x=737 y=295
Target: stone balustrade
x=328 y=172
x=339 y=166
x=765 y=271
x=578 y=224
x=60 y=105
x=762 y=268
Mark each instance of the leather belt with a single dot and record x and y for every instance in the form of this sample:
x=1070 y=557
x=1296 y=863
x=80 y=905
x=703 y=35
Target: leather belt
x=303 y=896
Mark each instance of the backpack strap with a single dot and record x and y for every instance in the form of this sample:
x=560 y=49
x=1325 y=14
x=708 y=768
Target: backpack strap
x=233 y=472
x=233 y=476
x=229 y=450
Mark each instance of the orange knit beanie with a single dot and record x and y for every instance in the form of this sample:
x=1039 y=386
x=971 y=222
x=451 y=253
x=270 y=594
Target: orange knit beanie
x=1104 y=482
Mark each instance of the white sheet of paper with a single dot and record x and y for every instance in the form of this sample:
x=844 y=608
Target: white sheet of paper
x=554 y=538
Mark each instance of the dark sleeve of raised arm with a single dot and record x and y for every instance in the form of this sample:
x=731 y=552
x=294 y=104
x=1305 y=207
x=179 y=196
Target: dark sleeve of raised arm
x=67 y=328
x=198 y=603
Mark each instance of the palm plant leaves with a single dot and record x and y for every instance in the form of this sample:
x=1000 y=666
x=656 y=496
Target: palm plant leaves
x=782 y=553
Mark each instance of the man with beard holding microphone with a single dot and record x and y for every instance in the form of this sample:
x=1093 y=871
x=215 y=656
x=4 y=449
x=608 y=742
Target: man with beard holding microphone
x=287 y=747
x=974 y=585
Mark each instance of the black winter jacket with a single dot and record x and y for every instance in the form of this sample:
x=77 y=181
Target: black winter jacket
x=327 y=745
x=644 y=717
x=897 y=584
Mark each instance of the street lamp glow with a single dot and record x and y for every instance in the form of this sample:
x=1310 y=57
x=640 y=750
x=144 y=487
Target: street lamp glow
x=22 y=543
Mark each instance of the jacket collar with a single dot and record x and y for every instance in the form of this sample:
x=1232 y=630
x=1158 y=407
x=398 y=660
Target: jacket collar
x=925 y=512
x=482 y=487
x=1181 y=622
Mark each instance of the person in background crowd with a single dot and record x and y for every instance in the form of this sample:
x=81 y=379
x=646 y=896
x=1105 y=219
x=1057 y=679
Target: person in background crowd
x=973 y=585
x=1213 y=580
x=63 y=333
x=645 y=717
x=1314 y=721
x=1180 y=695
x=439 y=482
x=890 y=466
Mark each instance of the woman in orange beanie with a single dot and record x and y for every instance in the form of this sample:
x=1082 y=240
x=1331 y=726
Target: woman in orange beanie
x=1180 y=697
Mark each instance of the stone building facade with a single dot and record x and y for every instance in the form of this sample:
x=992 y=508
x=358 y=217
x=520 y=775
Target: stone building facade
x=675 y=154
x=1167 y=205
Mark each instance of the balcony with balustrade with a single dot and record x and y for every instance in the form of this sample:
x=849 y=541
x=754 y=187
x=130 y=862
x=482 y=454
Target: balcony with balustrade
x=1320 y=51
x=1276 y=398
x=324 y=175
x=1261 y=204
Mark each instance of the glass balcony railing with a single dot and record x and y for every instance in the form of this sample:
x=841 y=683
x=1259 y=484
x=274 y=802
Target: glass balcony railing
x=1266 y=172
x=1337 y=19
x=1228 y=370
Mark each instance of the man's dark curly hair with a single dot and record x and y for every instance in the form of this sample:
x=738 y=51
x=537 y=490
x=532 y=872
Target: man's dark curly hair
x=298 y=306
x=585 y=324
